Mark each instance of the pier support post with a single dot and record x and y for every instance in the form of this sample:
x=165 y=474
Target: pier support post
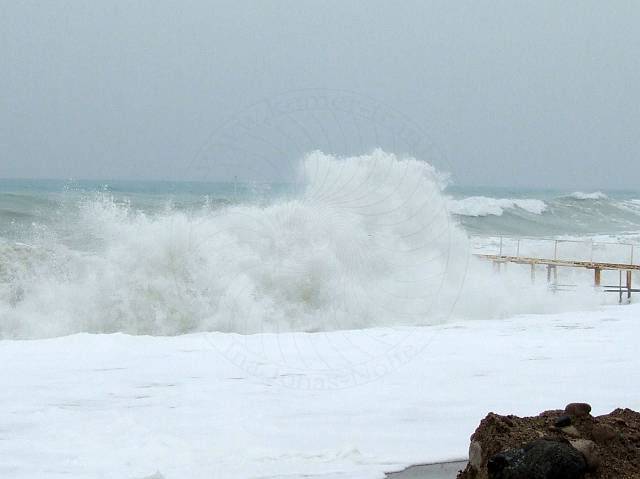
x=597 y=272
x=620 y=286
x=552 y=270
x=533 y=272
x=629 y=285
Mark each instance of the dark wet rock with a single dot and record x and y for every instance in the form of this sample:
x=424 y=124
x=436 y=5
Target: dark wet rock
x=540 y=459
x=578 y=409
x=562 y=421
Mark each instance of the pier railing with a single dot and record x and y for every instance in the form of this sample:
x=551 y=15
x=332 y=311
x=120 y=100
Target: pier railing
x=555 y=248
x=553 y=253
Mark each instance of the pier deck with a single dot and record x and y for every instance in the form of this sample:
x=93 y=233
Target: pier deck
x=552 y=265
x=560 y=262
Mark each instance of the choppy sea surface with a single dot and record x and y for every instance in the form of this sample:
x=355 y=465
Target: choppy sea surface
x=364 y=241
x=25 y=204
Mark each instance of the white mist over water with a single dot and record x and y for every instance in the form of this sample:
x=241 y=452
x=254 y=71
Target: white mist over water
x=367 y=241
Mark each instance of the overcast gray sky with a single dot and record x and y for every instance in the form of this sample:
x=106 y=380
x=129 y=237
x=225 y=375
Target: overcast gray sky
x=512 y=93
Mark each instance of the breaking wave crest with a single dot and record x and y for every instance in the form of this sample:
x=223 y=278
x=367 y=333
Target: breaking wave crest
x=366 y=241
x=484 y=206
x=361 y=242
x=596 y=195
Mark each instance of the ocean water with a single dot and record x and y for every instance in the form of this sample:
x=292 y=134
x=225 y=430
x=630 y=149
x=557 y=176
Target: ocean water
x=527 y=212
x=25 y=204
x=386 y=322
x=358 y=242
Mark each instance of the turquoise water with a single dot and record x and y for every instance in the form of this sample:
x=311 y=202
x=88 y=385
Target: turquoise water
x=27 y=204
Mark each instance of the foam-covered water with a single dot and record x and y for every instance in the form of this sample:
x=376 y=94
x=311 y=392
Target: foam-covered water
x=374 y=240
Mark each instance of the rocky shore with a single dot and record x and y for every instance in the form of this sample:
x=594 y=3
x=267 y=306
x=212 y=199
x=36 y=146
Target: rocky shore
x=568 y=443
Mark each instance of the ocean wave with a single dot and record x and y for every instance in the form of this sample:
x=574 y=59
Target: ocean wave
x=485 y=206
x=632 y=206
x=365 y=241
x=596 y=195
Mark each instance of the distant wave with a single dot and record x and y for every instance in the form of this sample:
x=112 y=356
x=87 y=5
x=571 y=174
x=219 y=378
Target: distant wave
x=484 y=206
x=578 y=213
x=596 y=195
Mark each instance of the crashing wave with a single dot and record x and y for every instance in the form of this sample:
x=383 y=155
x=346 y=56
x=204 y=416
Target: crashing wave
x=579 y=195
x=484 y=206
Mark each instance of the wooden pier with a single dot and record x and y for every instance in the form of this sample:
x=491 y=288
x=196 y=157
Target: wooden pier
x=625 y=270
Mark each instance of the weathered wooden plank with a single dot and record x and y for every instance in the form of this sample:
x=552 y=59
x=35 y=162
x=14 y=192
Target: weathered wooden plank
x=559 y=262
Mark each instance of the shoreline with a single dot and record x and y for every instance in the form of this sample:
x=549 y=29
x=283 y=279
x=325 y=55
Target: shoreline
x=438 y=470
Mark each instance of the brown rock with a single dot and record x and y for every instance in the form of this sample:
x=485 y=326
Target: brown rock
x=603 y=433
x=609 y=444
x=588 y=450
x=570 y=431
x=578 y=409
x=475 y=455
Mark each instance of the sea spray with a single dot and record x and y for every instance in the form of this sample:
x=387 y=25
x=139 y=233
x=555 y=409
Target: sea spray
x=360 y=242
x=366 y=241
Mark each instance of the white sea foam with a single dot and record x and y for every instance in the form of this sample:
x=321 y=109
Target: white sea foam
x=367 y=242
x=597 y=195
x=635 y=204
x=485 y=206
x=96 y=406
